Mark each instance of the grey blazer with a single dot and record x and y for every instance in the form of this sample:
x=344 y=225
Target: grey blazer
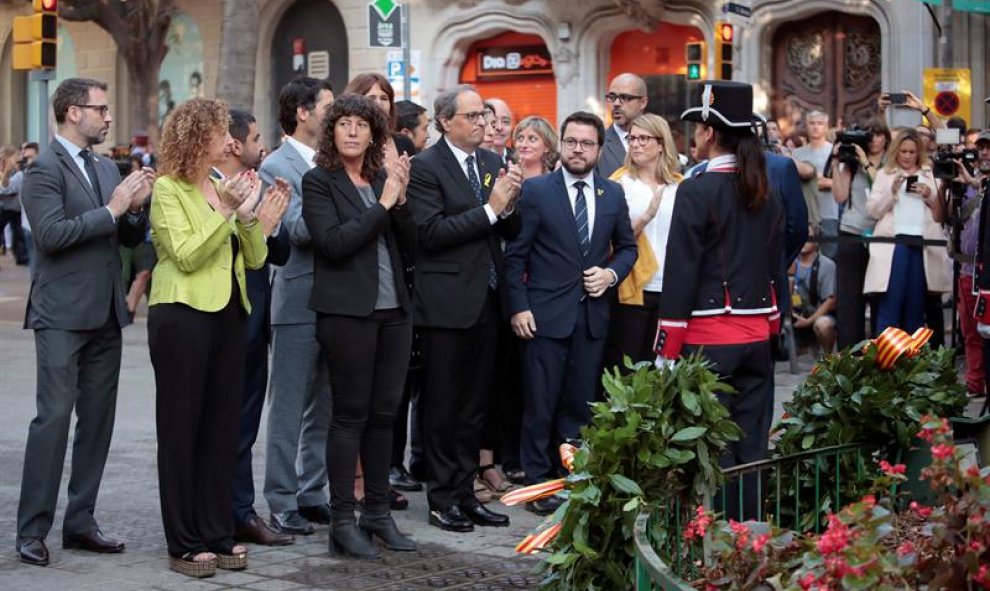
x=292 y=283
x=613 y=153
x=77 y=279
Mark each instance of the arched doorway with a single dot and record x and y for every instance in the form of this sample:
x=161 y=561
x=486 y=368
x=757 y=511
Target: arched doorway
x=517 y=68
x=320 y=26
x=828 y=62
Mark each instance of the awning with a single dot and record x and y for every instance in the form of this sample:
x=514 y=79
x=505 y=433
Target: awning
x=965 y=5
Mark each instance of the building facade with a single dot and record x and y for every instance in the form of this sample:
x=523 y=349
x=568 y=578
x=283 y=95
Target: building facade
x=546 y=57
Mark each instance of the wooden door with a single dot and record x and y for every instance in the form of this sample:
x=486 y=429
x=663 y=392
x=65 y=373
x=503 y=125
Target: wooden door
x=828 y=62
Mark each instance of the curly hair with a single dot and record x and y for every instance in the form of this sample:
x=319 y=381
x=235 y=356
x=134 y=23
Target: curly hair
x=187 y=135
x=362 y=84
x=354 y=105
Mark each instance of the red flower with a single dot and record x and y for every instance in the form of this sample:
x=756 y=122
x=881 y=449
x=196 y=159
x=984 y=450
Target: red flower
x=922 y=511
x=905 y=549
x=973 y=471
x=697 y=527
x=807 y=581
x=944 y=451
x=835 y=539
x=761 y=542
x=982 y=577
x=869 y=500
x=892 y=470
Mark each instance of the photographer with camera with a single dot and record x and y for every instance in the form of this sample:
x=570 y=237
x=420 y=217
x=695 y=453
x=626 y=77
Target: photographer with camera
x=858 y=155
x=813 y=281
x=964 y=209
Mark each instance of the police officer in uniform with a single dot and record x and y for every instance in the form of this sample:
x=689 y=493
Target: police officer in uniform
x=726 y=242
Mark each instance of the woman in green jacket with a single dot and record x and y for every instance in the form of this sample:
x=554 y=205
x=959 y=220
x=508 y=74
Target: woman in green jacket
x=205 y=234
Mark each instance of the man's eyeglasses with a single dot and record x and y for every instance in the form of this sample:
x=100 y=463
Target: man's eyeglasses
x=571 y=143
x=103 y=109
x=624 y=98
x=642 y=140
x=473 y=115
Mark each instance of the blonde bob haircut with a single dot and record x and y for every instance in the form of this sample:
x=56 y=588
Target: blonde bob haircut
x=542 y=128
x=668 y=167
x=186 y=137
x=895 y=146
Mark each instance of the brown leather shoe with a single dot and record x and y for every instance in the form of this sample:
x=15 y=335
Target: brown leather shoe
x=93 y=541
x=256 y=531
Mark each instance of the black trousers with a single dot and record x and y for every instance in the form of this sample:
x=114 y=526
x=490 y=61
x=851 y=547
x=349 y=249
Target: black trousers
x=13 y=218
x=851 y=260
x=457 y=380
x=255 y=385
x=198 y=359
x=632 y=330
x=406 y=428
x=749 y=369
x=367 y=359
x=560 y=379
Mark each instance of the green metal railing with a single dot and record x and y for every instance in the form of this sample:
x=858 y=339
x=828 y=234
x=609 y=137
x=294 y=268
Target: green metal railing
x=790 y=491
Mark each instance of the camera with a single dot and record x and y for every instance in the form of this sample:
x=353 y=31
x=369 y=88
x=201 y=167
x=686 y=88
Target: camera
x=944 y=161
x=848 y=140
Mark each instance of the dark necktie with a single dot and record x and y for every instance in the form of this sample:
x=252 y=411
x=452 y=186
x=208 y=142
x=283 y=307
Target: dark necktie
x=476 y=187
x=94 y=182
x=581 y=218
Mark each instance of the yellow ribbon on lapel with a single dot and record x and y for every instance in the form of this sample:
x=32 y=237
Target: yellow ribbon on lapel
x=488 y=179
x=894 y=342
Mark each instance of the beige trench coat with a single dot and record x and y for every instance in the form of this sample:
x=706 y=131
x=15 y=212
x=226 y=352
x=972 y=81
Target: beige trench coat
x=880 y=204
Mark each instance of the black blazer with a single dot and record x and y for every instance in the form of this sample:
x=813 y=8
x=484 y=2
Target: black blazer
x=345 y=235
x=455 y=242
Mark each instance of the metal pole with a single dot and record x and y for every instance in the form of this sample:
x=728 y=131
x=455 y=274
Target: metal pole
x=945 y=40
x=42 y=77
x=406 y=55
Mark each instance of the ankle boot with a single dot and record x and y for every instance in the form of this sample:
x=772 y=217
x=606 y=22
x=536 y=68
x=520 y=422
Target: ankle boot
x=384 y=527
x=347 y=539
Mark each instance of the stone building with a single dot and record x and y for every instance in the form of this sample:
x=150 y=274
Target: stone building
x=546 y=57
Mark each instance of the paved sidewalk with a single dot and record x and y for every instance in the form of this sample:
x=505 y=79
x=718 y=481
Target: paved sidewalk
x=128 y=505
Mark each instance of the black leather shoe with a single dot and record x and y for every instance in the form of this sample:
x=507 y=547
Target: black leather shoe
x=93 y=541
x=32 y=551
x=291 y=522
x=481 y=515
x=450 y=520
x=316 y=513
x=544 y=506
x=400 y=479
x=256 y=531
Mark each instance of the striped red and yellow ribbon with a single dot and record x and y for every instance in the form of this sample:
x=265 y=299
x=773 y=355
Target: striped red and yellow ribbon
x=548 y=529
x=894 y=342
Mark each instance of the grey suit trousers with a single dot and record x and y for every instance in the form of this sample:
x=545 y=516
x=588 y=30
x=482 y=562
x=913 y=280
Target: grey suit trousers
x=76 y=369
x=298 y=420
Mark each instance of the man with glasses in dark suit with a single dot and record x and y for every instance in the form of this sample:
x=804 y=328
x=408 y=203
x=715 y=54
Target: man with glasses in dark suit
x=627 y=99
x=80 y=212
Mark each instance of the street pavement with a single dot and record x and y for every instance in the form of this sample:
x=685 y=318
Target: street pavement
x=128 y=505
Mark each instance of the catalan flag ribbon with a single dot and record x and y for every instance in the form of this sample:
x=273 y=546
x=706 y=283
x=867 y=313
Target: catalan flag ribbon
x=548 y=529
x=894 y=342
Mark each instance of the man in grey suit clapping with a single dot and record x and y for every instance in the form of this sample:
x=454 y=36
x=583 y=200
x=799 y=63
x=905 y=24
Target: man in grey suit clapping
x=80 y=211
x=299 y=388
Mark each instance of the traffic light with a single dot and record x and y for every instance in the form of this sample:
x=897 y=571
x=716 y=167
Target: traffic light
x=694 y=55
x=36 y=37
x=724 y=36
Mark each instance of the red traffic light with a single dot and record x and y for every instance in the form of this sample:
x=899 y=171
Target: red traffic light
x=45 y=5
x=725 y=32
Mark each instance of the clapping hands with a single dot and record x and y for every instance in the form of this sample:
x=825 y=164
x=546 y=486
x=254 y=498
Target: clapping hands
x=394 y=192
x=240 y=193
x=506 y=188
x=273 y=206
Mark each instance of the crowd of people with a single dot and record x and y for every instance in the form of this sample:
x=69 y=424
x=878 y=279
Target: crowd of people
x=458 y=299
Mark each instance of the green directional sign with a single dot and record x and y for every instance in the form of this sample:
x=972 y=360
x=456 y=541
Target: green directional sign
x=384 y=24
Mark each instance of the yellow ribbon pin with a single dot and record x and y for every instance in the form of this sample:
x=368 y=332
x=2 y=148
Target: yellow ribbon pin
x=600 y=192
x=488 y=179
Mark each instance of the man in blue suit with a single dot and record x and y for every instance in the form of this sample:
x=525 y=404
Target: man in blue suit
x=575 y=244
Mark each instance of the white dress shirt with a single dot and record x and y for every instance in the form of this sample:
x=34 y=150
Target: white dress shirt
x=589 y=196
x=74 y=151
x=638 y=197
x=462 y=157
x=623 y=137
x=308 y=154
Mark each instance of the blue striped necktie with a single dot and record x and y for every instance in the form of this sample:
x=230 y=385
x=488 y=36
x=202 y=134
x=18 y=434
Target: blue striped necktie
x=476 y=187
x=581 y=218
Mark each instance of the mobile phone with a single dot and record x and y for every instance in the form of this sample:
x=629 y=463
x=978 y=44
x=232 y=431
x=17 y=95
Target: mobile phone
x=897 y=98
x=910 y=181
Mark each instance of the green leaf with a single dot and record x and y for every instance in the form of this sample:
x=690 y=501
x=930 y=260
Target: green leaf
x=624 y=484
x=808 y=441
x=689 y=434
x=690 y=402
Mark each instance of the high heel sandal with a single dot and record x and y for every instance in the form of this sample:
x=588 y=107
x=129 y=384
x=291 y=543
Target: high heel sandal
x=504 y=486
x=230 y=559
x=189 y=566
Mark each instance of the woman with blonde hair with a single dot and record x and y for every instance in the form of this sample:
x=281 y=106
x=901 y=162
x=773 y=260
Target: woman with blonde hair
x=536 y=143
x=206 y=234
x=649 y=177
x=905 y=202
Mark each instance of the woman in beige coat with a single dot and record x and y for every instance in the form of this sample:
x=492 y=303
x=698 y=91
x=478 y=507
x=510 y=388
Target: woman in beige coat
x=905 y=200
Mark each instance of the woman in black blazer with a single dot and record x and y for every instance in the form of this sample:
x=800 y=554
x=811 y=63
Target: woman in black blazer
x=360 y=226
